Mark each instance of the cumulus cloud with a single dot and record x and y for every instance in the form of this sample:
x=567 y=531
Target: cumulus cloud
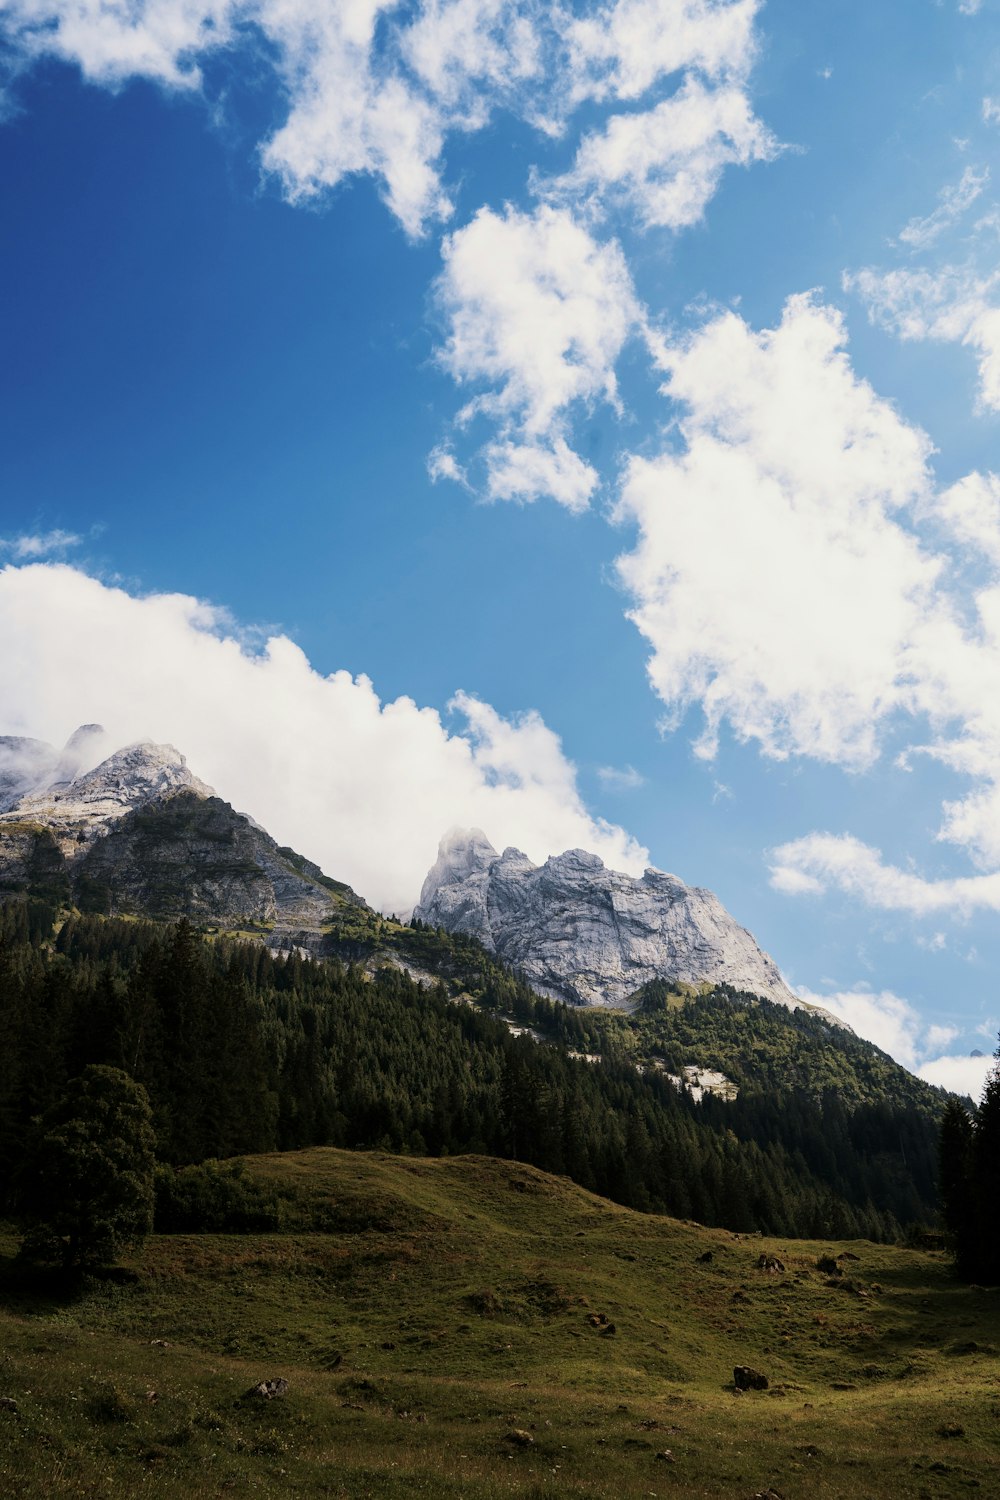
x=665 y=163
x=377 y=89
x=784 y=588
x=799 y=629
x=953 y=201
x=537 y=313
x=369 y=89
x=622 y=49
x=950 y=305
x=366 y=788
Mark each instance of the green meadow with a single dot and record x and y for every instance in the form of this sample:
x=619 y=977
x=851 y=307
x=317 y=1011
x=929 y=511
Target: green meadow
x=464 y=1327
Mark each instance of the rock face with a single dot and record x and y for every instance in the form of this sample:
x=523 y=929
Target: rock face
x=139 y=833
x=592 y=936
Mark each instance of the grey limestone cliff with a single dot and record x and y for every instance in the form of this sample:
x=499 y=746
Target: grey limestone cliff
x=587 y=934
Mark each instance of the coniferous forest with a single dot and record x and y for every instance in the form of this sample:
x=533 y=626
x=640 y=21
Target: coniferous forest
x=242 y=1050
x=970 y=1183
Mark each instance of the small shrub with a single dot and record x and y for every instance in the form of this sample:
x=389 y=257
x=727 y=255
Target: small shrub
x=214 y=1198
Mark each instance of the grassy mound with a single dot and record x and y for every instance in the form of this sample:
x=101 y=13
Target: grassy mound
x=473 y=1328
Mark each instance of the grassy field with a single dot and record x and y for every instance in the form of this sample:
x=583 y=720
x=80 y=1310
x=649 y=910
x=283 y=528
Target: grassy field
x=473 y=1328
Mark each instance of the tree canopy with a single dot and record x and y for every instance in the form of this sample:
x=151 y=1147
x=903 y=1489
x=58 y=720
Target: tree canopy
x=88 y=1179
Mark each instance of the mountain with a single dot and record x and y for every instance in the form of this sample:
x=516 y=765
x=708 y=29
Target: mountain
x=665 y=1082
x=138 y=833
x=588 y=935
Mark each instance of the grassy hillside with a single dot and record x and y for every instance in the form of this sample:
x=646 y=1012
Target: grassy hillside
x=449 y=1305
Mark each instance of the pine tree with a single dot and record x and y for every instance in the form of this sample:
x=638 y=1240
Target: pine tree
x=956 y=1183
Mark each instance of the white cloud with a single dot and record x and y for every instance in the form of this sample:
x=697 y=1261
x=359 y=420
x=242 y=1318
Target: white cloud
x=951 y=305
x=969 y=510
x=823 y=861
x=366 y=92
x=363 y=787
x=893 y=1024
x=879 y=1016
x=934 y=942
x=783 y=586
x=666 y=163
x=374 y=88
x=532 y=471
x=991 y=111
x=770 y=577
x=442 y=464
x=969 y=7
x=620 y=50
x=962 y=1075
x=621 y=778
x=537 y=311
x=30 y=546
x=953 y=201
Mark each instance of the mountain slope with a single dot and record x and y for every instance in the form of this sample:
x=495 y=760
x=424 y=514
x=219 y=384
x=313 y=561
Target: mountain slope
x=589 y=935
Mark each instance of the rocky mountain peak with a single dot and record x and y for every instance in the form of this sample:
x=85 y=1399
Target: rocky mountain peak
x=583 y=933
x=130 y=778
x=138 y=832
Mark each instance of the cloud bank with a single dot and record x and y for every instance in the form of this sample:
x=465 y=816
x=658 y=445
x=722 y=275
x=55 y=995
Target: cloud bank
x=365 y=788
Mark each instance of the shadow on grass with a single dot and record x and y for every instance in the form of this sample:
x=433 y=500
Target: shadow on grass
x=30 y=1289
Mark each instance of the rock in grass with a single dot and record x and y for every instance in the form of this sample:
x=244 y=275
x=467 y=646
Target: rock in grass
x=519 y=1437
x=7 y=1403
x=268 y=1390
x=746 y=1378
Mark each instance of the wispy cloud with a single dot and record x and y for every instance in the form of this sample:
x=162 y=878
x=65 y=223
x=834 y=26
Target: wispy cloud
x=31 y=546
x=951 y=305
x=665 y=164
x=825 y=861
x=621 y=779
x=953 y=201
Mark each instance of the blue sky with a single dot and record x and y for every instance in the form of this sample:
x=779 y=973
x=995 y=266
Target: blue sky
x=576 y=421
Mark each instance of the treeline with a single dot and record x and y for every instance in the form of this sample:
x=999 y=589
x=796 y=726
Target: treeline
x=241 y=1051
x=970 y=1183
